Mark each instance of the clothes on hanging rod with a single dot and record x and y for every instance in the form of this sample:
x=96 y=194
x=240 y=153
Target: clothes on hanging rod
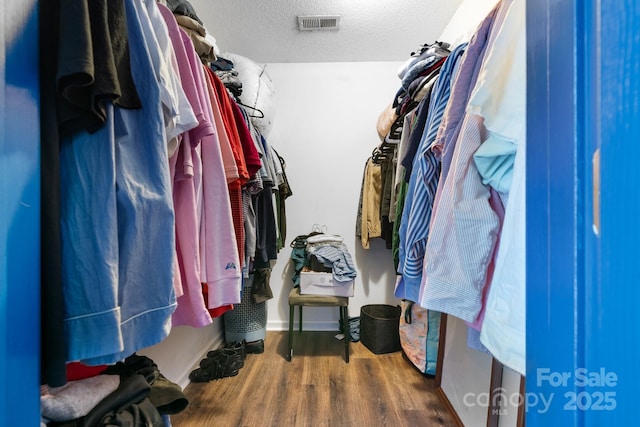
x=461 y=188
x=419 y=199
x=231 y=81
x=168 y=247
x=182 y=8
x=459 y=219
x=426 y=51
x=368 y=221
x=391 y=124
x=503 y=328
x=203 y=45
x=118 y=279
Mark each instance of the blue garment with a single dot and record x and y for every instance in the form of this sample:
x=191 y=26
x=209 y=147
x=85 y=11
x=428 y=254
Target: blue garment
x=118 y=224
x=89 y=234
x=425 y=51
x=423 y=183
x=427 y=59
x=494 y=160
x=465 y=81
x=338 y=258
x=298 y=258
x=415 y=136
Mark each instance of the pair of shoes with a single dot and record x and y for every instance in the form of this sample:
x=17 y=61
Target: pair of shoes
x=256 y=347
x=235 y=348
x=223 y=364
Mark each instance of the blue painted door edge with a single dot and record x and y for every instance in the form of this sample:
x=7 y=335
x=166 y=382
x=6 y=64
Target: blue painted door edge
x=583 y=275
x=19 y=215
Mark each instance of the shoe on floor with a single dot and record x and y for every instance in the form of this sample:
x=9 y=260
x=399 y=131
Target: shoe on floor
x=235 y=348
x=225 y=364
x=255 y=347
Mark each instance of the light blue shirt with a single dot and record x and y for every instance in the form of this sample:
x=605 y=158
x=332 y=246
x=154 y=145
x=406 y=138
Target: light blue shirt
x=118 y=223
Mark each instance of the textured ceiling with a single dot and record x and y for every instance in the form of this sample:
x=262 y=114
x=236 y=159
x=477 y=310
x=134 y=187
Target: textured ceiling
x=370 y=30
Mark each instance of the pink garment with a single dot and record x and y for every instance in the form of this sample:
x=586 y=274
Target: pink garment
x=206 y=238
x=177 y=111
x=187 y=78
x=221 y=267
x=185 y=167
x=186 y=171
x=186 y=75
x=177 y=277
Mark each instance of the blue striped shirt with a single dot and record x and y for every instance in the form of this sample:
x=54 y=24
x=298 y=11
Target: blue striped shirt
x=414 y=226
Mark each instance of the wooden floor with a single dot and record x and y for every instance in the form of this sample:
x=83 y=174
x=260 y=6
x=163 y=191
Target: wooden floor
x=317 y=388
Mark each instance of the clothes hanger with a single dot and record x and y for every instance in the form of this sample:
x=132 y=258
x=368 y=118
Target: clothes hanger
x=395 y=131
x=249 y=107
x=301 y=240
x=382 y=151
x=317 y=228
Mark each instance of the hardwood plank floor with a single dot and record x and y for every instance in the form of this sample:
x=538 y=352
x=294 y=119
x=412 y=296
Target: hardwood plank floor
x=317 y=388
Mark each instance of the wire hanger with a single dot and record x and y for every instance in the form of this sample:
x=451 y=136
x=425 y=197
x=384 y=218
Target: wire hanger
x=249 y=107
x=317 y=228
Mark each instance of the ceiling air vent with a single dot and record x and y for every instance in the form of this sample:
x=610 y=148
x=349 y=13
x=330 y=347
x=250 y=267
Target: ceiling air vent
x=318 y=22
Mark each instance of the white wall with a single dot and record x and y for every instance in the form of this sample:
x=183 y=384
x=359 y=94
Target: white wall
x=325 y=128
x=466 y=375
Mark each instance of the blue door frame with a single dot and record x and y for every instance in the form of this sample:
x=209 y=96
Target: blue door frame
x=583 y=286
x=19 y=215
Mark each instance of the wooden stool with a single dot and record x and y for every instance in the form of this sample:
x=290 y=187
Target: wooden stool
x=295 y=298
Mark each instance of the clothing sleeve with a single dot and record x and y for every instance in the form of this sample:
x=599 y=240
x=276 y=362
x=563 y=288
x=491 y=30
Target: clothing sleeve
x=93 y=64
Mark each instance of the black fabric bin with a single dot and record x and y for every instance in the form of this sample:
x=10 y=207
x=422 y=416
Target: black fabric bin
x=379 y=327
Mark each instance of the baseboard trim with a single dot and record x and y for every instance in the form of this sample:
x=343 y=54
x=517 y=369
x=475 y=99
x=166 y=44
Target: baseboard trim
x=183 y=376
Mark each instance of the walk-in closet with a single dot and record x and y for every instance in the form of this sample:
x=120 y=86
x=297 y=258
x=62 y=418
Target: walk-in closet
x=304 y=213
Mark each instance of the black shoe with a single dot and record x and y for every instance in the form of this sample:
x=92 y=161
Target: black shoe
x=225 y=364
x=214 y=355
x=255 y=347
x=240 y=348
x=237 y=348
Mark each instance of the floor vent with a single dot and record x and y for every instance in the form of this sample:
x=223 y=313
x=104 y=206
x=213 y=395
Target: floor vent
x=318 y=22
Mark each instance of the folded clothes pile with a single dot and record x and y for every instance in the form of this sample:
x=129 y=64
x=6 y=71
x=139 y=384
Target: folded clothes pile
x=322 y=252
x=133 y=393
